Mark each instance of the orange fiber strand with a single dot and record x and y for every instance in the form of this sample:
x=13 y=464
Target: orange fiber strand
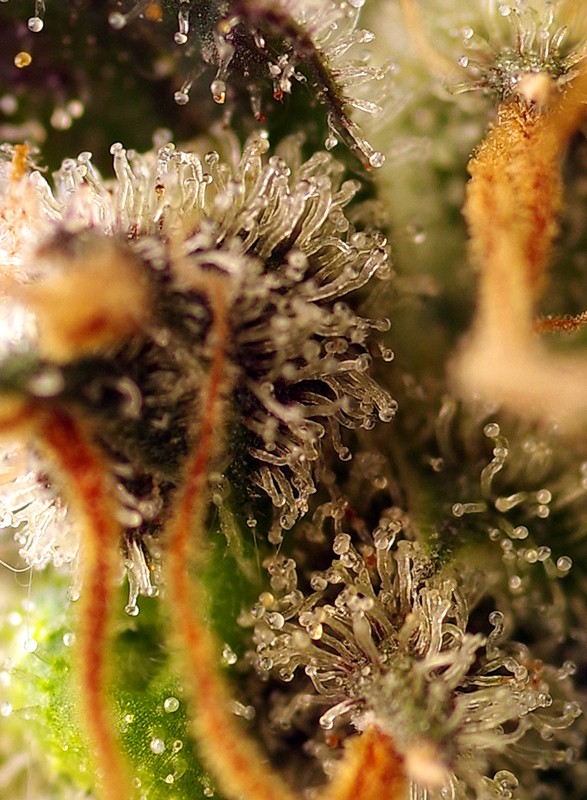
x=85 y=477
x=239 y=766
x=371 y=770
x=512 y=208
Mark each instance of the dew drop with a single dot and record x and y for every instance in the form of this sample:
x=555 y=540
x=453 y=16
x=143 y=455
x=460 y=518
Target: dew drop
x=47 y=383
x=68 y=639
x=132 y=609
x=543 y=496
x=218 y=89
x=170 y=704
x=8 y=104
x=169 y=778
x=31 y=644
x=73 y=594
x=60 y=119
x=229 y=657
x=5 y=709
x=376 y=160
x=35 y=24
x=276 y=620
x=157 y=746
x=315 y=631
x=22 y=59
x=76 y=108
x=564 y=563
x=491 y=430
x=341 y=544
x=544 y=553
x=520 y=532
x=416 y=233
x=182 y=98
x=117 y=20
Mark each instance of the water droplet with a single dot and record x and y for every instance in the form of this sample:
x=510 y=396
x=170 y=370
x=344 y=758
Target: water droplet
x=218 y=89
x=35 y=24
x=47 y=383
x=170 y=704
x=229 y=657
x=491 y=430
x=564 y=563
x=31 y=645
x=315 y=631
x=60 y=119
x=276 y=620
x=132 y=609
x=416 y=233
x=157 y=746
x=341 y=544
x=117 y=20
x=5 y=709
x=169 y=778
x=76 y=108
x=520 y=532
x=68 y=639
x=22 y=59
x=8 y=104
x=182 y=98
x=376 y=160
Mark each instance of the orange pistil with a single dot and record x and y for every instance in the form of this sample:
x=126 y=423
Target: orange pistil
x=371 y=768
x=84 y=476
x=85 y=479
x=513 y=203
x=236 y=762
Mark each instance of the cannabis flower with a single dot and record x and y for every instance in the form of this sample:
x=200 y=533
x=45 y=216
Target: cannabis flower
x=385 y=639
x=108 y=271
